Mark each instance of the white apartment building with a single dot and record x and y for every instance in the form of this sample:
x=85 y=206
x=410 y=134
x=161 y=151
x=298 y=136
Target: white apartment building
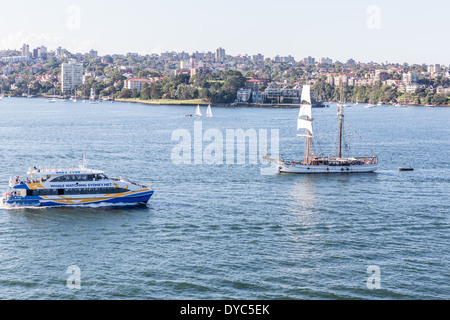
x=71 y=75
x=434 y=68
x=409 y=78
x=325 y=61
x=135 y=84
x=25 y=50
x=411 y=88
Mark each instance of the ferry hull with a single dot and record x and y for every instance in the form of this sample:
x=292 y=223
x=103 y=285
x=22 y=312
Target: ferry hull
x=305 y=169
x=133 y=198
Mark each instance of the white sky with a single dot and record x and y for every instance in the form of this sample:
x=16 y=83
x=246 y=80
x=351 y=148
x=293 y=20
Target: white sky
x=375 y=30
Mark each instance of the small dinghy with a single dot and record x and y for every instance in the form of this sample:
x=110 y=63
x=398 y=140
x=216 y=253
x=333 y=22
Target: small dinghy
x=406 y=169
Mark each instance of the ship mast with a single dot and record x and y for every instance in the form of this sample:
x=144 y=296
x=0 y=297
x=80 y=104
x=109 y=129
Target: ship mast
x=341 y=118
x=305 y=119
x=307 y=148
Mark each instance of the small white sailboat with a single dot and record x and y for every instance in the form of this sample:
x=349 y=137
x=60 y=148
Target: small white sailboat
x=53 y=100
x=75 y=98
x=209 y=112
x=198 y=113
x=92 y=99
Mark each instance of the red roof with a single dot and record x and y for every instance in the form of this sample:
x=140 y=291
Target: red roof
x=140 y=80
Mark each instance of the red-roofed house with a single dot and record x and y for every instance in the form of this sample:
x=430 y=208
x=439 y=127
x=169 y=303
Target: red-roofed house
x=256 y=83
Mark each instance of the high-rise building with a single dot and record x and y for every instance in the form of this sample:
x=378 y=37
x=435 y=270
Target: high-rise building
x=183 y=55
x=309 y=60
x=36 y=53
x=59 y=51
x=25 y=50
x=93 y=53
x=288 y=59
x=381 y=75
x=220 y=54
x=258 y=57
x=410 y=78
x=71 y=75
x=325 y=61
x=434 y=68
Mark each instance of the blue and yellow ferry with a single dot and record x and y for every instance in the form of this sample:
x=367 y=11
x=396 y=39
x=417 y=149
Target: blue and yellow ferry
x=72 y=187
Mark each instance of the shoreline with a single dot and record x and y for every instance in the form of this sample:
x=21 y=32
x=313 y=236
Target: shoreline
x=230 y=105
x=252 y=105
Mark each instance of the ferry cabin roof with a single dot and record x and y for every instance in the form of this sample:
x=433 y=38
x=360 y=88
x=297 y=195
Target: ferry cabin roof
x=57 y=172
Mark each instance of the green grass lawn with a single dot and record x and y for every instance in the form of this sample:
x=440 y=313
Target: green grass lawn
x=165 y=101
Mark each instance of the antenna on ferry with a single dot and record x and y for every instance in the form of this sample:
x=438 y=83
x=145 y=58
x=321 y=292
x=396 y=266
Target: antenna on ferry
x=84 y=160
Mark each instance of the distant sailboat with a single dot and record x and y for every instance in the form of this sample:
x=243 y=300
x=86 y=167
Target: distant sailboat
x=198 y=113
x=209 y=112
x=53 y=100
x=93 y=101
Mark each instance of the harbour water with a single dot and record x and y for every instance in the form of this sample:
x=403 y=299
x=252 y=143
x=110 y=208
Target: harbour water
x=226 y=231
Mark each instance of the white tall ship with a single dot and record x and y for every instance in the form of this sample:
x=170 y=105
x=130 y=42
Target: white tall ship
x=72 y=187
x=313 y=163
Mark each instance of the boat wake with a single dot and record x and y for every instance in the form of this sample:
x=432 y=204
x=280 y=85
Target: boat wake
x=75 y=206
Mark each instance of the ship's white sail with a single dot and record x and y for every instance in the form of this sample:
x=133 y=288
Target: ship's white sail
x=305 y=114
x=305 y=124
x=209 y=112
x=198 y=113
